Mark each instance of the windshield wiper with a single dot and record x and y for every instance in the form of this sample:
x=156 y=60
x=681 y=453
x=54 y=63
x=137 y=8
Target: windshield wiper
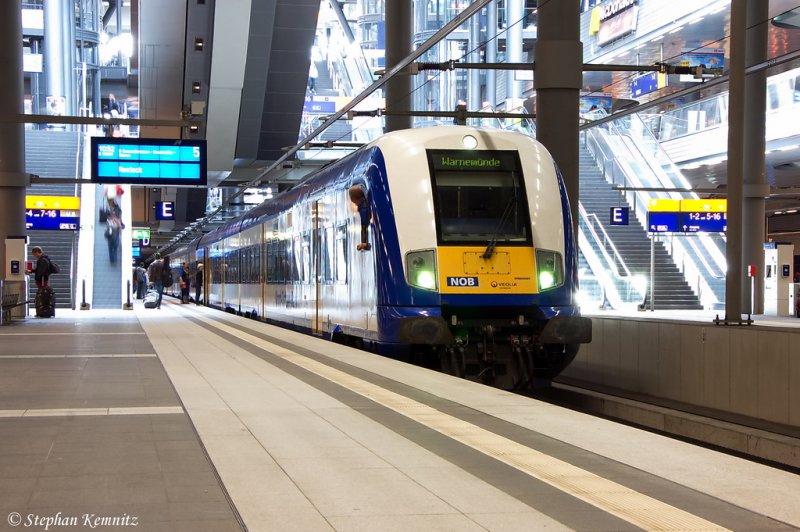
x=487 y=253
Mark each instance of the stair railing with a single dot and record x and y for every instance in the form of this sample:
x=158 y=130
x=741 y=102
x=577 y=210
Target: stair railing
x=609 y=266
x=623 y=164
x=692 y=252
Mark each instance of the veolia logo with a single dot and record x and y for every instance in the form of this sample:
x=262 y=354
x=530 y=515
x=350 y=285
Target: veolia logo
x=462 y=281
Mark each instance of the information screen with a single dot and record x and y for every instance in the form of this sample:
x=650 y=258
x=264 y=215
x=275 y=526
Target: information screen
x=51 y=219
x=149 y=161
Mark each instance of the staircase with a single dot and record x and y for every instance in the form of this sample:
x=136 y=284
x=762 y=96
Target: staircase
x=341 y=130
x=671 y=291
x=52 y=154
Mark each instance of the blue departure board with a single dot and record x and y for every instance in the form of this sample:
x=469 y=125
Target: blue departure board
x=149 y=161
x=51 y=220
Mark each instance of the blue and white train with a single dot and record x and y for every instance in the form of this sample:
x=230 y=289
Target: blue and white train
x=466 y=259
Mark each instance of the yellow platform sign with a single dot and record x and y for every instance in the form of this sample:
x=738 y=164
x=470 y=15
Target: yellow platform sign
x=688 y=205
x=67 y=203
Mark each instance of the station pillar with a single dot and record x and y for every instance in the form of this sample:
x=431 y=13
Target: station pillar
x=736 y=107
x=13 y=179
x=398 y=46
x=558 y=78
x=755 y=187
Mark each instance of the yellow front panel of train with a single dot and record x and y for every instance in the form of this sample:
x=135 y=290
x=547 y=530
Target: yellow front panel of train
x=509 y=270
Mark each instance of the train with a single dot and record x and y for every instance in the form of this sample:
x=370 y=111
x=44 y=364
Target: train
x=447 y=246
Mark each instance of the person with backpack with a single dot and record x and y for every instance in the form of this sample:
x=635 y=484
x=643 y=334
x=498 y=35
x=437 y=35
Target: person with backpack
x=41 y=273
x=157 y=273
x=45 y=298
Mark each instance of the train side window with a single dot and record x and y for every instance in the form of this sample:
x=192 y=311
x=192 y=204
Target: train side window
x=306 y=254
x=295 y=258
x=244 y=265
x=271 y=261
x=283 y=254
x=326 y=257
x=341 y=254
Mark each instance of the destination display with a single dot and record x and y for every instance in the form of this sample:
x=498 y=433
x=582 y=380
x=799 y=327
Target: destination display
x=148 y=161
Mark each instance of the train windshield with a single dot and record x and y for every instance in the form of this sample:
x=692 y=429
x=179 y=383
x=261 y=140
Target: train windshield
x=479 y=197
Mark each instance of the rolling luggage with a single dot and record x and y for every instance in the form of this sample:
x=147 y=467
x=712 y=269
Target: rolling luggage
x=45 y=303
x=150 y=299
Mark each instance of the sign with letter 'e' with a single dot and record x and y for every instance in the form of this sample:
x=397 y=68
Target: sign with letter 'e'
x=165 y=210
x=620 y=215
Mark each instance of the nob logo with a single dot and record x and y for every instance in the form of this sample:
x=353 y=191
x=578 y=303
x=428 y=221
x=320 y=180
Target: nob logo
x=462 y=281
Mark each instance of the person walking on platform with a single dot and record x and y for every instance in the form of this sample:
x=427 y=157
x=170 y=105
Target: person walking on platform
x=198 y=283
x=140 y=281
x=185 y=283
x=114 y=227
x=154 y=274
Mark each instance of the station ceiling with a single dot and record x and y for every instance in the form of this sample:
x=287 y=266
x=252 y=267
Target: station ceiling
x=276 y=72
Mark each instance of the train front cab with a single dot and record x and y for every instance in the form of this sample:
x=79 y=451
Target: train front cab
x=492 y=283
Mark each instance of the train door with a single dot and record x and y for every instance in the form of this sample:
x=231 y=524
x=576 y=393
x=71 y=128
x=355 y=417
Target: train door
x=316 y=325
x=262 y=275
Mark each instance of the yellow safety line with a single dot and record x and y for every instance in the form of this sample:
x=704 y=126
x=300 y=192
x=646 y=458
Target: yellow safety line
x=636 y=508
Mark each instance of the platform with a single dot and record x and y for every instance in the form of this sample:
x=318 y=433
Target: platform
x=187 y=418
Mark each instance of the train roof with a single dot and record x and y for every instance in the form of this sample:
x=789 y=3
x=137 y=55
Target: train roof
x=342 y=170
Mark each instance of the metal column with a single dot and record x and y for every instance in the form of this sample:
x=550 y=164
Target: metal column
x=755 y=187
x=736 y=107
x=559 y=63
x=515 y=9
x=59 y=53
x=491 y=52
x=474 y=75
x=13 y=179
x=398 y=46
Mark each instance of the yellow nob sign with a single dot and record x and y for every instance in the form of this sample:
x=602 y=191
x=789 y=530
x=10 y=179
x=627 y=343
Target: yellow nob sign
x=507 y=270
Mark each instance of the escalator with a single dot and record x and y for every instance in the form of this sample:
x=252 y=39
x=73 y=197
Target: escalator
x=106 y=276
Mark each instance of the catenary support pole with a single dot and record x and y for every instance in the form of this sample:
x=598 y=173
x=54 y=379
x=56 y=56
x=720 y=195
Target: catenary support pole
x=558 y=77
x=755 y=187
x=736 y=107
x=398 y=46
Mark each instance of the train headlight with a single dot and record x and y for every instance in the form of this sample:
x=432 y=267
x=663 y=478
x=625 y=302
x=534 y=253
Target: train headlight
x=549 y=269
x=421 y=269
